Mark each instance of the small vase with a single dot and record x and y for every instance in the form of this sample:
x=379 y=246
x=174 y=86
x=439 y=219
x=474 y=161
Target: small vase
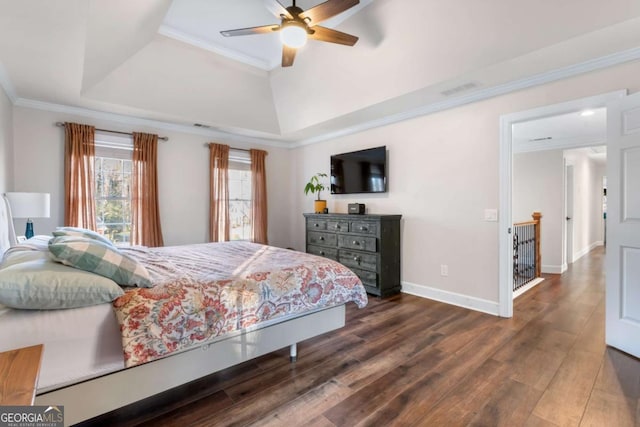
x=319 y=206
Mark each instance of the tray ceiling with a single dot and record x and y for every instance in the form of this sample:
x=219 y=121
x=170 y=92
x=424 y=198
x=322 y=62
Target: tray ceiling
x=165 y=60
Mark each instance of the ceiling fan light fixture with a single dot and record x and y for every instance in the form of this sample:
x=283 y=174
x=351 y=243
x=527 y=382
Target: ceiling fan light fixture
x=293 y=34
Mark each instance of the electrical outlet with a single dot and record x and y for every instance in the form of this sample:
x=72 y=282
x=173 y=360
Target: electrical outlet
x=444 y=270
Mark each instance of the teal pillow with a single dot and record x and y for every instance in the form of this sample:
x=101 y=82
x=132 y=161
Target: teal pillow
x=100 y=258
x=41 y=284
x=81 y=232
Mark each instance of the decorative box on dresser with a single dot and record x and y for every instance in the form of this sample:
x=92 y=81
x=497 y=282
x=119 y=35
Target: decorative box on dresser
x=367 y=244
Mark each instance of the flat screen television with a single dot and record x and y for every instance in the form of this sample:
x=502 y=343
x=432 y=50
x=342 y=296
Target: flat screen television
x=361 y=171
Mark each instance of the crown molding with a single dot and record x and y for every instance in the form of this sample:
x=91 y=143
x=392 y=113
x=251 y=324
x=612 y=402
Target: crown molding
x=5 y=82
x=484 y=93
x=176 y=34
x=156 y=124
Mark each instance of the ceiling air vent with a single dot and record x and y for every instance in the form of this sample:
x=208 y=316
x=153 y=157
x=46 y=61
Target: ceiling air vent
x=540 y=139
x=200 y=125
x=458 y=89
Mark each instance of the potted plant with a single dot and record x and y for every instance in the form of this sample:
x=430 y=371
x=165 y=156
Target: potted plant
x=316 y=186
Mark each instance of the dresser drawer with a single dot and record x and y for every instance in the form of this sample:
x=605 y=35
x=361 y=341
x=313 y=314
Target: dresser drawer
x=358 y=259
x=325 y=252
x=363 y=227
x=316 y=224
x=322 y=238
x=368 y=277
x=338 y=226
x=361 y=243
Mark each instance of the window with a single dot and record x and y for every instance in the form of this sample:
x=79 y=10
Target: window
x=113 y=187
x=239 y=195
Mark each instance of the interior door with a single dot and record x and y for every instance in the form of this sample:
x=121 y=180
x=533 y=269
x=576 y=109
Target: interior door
x=623 y=225
x=569 y=213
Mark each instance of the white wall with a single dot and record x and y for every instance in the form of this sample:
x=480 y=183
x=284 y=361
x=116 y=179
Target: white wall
x=587 y=202
x=443 y=172
x=538 y=180
x=183 y=164
x=6 y=143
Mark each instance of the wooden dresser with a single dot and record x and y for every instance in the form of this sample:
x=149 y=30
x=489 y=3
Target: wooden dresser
x=367 y=244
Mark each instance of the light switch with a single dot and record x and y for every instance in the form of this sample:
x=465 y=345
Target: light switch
x=491 y=215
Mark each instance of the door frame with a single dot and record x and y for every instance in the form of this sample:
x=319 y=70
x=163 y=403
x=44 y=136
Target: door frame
x=505 y=222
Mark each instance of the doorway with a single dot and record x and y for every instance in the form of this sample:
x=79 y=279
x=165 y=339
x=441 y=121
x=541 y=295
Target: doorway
x=568 y=191
x=507 y=148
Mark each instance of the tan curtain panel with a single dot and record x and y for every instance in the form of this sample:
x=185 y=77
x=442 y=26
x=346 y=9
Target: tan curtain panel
x=145 y=211
x=258 y=196
x=79 y=159
x=219 y=226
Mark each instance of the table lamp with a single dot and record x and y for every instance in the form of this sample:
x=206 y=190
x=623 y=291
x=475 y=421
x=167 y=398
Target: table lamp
x=29 y=205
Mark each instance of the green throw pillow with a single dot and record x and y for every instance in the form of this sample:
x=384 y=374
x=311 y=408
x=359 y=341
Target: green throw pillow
x=41 y=284
x=100 y=258
x=81 y=232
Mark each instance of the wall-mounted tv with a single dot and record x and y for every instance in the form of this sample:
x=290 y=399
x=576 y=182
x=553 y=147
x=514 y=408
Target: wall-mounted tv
x=361 y=171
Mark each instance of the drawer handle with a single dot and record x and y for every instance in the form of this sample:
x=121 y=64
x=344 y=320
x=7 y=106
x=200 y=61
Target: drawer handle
x=321 y=238
x=316 y=225
x=362 y=228
x=355 y=242
x=337 y=227
x=322 y=253
x=356 y=259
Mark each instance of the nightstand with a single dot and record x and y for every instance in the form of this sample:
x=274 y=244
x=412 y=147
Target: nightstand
x=19 y=371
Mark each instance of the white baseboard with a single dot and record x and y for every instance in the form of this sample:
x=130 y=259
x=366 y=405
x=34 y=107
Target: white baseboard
x=465 y=301
x=554 y=269
x=584 y=251
x=533 y=283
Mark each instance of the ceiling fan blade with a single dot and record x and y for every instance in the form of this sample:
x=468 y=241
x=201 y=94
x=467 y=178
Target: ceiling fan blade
x=326 y=10
x=277 y=9
x=333 y=36
x=288 y=55
x=253 y=30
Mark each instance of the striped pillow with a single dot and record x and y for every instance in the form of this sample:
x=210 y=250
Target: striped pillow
x=100 y=258
x=81 y=232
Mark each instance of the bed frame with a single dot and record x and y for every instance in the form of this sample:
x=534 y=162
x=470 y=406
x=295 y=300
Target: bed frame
x=88 y=399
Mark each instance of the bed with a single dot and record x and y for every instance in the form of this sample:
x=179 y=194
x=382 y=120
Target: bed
x=99 y=358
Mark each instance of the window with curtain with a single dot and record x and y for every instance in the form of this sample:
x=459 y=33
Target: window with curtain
x=240 y=202
x=113 y=164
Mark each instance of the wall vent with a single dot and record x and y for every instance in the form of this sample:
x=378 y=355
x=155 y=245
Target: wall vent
x=458 y=89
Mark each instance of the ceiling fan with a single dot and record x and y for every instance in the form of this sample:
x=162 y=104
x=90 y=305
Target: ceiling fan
x=298 y=25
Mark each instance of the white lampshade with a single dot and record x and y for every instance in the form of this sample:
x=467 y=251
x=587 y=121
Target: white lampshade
x=29 y=205
x=293 y=34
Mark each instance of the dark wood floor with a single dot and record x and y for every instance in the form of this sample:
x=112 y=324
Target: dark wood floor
x=410 y=361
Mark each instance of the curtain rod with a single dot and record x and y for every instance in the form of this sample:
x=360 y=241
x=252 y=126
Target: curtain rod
x=230 y=148
x=162 y=138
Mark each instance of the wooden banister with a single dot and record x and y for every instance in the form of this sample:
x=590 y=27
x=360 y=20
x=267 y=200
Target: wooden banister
x=536 y=218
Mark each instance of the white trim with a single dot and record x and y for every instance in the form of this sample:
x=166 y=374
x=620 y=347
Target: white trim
x=176 y=34
x=584 y=251
x=553 y=269
x=5 y=82
x=460 y=300
x=138 y=121
x=506 y=221
x=532 y=284
x=485 y=93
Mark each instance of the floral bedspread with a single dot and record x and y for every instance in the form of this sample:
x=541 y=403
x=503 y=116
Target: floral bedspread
x=207 y=290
